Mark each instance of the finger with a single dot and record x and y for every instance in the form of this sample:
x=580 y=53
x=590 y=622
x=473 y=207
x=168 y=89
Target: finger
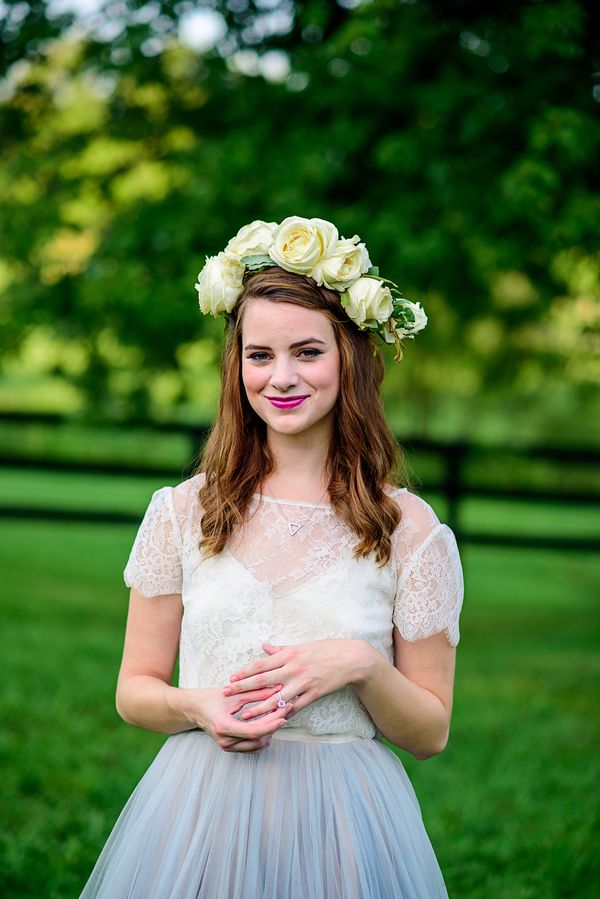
x=229 y=743
x=293 y=692
x=254 y=730
x=272 y=649
x=255 y=682
x=249 y=746
x=263 y=708
x=257 y=667
x=239 y=701
x=298 y=703
x=241 y=707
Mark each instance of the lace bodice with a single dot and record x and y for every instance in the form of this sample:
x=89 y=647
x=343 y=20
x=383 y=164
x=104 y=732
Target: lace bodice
x=274 y=586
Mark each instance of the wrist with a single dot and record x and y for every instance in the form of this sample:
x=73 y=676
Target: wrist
x=178 y=702
x=366 y=660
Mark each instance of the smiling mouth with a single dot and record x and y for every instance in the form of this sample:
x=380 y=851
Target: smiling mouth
x=287 y=403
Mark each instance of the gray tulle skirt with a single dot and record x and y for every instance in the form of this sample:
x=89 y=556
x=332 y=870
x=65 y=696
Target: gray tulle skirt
x=303 y=819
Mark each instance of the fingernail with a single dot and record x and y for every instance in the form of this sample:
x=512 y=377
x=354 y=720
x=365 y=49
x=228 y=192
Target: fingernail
x=227 y=691
x=233 y=677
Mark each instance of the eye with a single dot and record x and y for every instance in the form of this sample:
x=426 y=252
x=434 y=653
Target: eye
x=309 y=353
x=258 y=356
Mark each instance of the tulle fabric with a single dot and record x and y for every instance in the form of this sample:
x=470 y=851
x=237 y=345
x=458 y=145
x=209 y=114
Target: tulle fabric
x=304 y=819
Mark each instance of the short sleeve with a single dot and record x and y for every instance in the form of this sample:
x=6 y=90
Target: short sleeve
x=430 y=587
x=154 y=565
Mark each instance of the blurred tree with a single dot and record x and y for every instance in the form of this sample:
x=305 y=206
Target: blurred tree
x=460 y=142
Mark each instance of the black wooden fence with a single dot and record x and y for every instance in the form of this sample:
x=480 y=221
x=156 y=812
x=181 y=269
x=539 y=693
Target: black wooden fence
x=461 y=471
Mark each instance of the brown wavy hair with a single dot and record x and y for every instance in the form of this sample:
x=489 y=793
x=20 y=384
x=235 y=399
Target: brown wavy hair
x=363 y=455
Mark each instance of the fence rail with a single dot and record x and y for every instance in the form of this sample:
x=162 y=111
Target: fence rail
x=452 y=482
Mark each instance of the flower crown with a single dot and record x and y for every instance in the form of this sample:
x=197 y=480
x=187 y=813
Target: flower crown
x=314 y=248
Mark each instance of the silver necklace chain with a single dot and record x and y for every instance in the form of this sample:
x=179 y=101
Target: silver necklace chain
x=294 y=526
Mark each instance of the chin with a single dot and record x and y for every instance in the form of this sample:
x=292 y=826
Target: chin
x=288 y=427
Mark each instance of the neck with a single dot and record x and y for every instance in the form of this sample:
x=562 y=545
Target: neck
x=300 y=469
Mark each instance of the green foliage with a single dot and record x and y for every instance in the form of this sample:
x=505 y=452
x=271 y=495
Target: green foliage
x=460 y=142
x=257 y=263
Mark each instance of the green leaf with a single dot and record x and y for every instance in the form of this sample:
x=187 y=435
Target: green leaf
x=374 y=270
x=257 y=262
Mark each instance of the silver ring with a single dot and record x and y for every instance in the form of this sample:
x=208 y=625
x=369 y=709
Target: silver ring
x=280 y=701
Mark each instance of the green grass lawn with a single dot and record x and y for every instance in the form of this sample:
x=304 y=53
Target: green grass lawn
x=511 y=805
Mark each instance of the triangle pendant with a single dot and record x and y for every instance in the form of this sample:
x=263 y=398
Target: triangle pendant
x=293 y=527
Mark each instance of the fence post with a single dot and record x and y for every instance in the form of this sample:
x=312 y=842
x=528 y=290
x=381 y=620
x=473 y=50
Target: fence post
x=453 y=485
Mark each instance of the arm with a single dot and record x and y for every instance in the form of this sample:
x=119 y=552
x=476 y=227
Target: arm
x=411 y=701
x=146 y=698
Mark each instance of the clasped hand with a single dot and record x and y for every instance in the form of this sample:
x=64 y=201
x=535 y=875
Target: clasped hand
x=301 y=673
x=216 y=714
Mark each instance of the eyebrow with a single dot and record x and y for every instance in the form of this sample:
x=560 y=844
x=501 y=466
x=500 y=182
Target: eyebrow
x=293 y=346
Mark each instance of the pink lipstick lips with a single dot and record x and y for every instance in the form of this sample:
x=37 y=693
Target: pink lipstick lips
x=287 y=403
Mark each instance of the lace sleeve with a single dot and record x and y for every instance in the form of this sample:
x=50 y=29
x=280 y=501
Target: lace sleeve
x=430 y=589
x=154 y=565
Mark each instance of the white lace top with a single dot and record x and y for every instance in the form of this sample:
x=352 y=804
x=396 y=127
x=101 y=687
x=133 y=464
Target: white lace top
x=272 y=586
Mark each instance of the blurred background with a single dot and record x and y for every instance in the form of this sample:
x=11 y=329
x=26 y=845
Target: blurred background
x=461 y=141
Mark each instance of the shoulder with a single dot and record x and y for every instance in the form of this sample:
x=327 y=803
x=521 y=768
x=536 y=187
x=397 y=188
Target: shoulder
x=180 y=500
x=413 y=508
x=418 y=523
x=188 y=488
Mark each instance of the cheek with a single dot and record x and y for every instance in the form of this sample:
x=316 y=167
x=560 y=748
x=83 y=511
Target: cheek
x=252 y=378
x=330 y=379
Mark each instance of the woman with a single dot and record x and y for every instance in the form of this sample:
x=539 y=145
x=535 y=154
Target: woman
x=313 y=606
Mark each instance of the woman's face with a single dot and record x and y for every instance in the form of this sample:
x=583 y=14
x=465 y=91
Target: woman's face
x=290 y=365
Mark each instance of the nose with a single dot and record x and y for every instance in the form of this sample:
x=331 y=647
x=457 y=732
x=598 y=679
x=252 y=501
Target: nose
x=283 y=374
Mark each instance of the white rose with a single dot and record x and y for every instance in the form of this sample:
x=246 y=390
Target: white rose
x=369 y=300
x=409 y=328
x=219 y=284
x=419 y=314
x=254 y=239
x=299 y=243
x=346 y=262
x=327 y=233
x=395 y=331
